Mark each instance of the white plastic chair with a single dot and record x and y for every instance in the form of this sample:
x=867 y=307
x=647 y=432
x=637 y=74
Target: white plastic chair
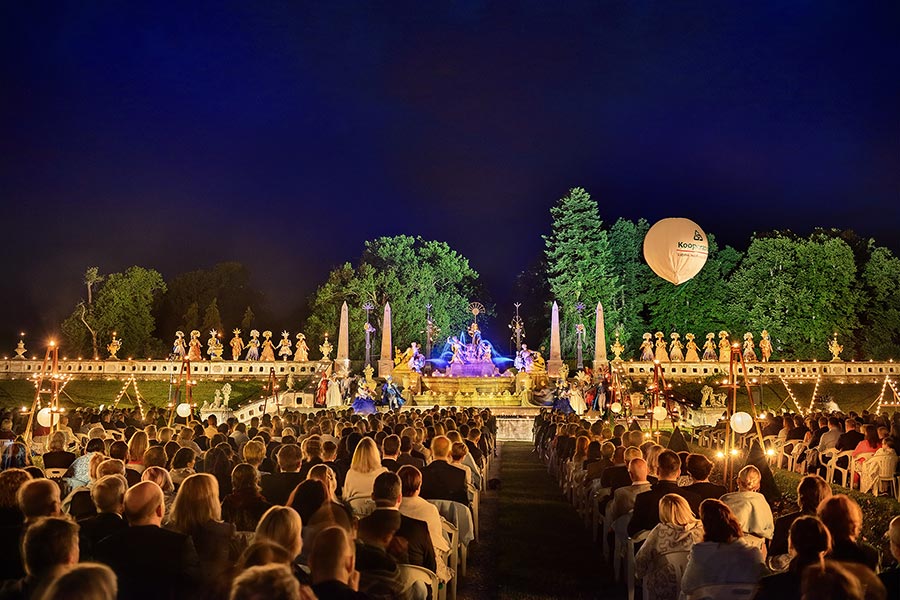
x=451 y=534
x=413 y=574
x=844 y=471
x=630 y=550
x=55 y=473
x=677 y=559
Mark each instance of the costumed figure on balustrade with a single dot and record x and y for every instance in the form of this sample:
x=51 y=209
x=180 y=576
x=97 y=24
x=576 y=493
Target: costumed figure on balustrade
x=724 y=347
x=333 y=397
x=391 y=394
x=661 y=354
x=284 y=346
x=178 y=346
x=268 y=348
x=749 y=352
x=709 y=348
x=363 y=403
x=647 y=348
x=691 y=346
x=765 y=346
x=253 y=346
x=214 y=346
x=524 y=360
x=675 y=348
x=195 y=347
x=301 y=354
x=321 y=392
x=237 y=345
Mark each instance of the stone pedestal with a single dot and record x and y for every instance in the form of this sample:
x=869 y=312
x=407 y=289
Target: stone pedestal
x=385 y=367
x=342 y=367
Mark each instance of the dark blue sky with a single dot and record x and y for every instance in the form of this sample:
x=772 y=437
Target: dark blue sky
x=284 y=134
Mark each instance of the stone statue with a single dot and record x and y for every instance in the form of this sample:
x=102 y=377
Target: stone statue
x=217 y=400
x=369 y=381
x=692 y=349
x=833 y=346
x=647 y=348
x=284 y=346
x=724 y=347
x=661 y=354
x=765 y=346
x=253 y=346
x=237 y=345
x=749 y=352
x=416 y=360
x=178 y=346
x=268 y=348
x=214 y=346
x=538 y=365
x=20 y=350
x=113 y=347
x=226 y=395
x=710 y=400
x=675 y=353
x=524 y=360
x=617 y=349
x=289 y=384
x=194 y=347
x=709 y=348
x=301 y=354
x=326 y=348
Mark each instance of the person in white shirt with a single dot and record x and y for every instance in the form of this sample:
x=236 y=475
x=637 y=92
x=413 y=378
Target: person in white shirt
x=364 y=468
x=750 y=508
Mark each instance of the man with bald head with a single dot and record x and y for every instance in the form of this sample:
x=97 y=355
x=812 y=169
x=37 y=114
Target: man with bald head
x=623 y=498
x=440 y=479
x=150 y=562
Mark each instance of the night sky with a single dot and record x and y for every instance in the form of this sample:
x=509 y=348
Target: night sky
x=285 y=134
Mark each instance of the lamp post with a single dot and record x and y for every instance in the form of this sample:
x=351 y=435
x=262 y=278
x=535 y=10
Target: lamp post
x=517 y=327
x=368 y=307
x=579 y=336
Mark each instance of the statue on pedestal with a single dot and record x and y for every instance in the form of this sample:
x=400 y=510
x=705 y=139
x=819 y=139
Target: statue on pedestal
x=617 y=349
x=417 y=359
x=237 y=345
x=675 y=353
x=226 y=395
x=253 y=346
x=194 y=347
x=302 y=351
x=692 y=349
x=284 y=346
x=524 y=360
x=214 y=346
x=724 y=347
x=268 y=348
x=709 y=348
x=835 y=348
x=326 y=348
x=647 y=348
x=178 y=346
x=113 y=346
x=661 y=354
x=217 y=400
x=20 y=350
x=749 y=352
x=368 y=371
x=765 y=346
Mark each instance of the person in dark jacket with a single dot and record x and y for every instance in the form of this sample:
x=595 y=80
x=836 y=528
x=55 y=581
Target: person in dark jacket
x=245 y=505
x=646 y=504
x=108 y=495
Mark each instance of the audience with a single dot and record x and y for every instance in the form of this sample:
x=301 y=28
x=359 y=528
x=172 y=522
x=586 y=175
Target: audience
x=751 y=509
x=108 y=495
x=646 y=504
x=440 y=479
x=332 y=565
x=811 y=491
x=843 y=518
x=49 y=547
x=678 y=531
x=245 y=505
x=809 y=542
x=84 y=581
x=277 y=487
x=364 y=468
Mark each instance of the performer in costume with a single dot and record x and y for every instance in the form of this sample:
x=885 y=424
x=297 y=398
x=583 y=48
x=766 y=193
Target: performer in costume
x=691 y=346
x=561 y=400
x=363 y=403
x=333 y=397
x=417 y=359
x=253 y=346
x=765 y=346
x=284 y=346
x=749 y=352
x=321 y=392
x=178 y=346
x=675 y=354
x=237 y=345
x=576 y=399
x=524 y=361
x=661 y=354
x=709 y=348
x=195 y=347
x=391 y=394
x=724 y=347
x=302 y=352
x=268 y=348
x=647 y=348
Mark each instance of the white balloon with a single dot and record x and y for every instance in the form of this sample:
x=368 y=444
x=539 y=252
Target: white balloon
x=676 y=249
x=660 y=413
x=616 y=407
x=46 y=418
x=183 y=409
x=741 y=422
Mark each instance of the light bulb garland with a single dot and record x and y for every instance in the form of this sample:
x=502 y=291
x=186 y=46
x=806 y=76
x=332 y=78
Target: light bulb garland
x=881 y=402
x=815 y=393
x=791 y=394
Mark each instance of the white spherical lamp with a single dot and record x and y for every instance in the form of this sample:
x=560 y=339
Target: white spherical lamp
x=660 y=413
x=183 y=409
x=741 y=422
x=46 y=418
x=616 y=407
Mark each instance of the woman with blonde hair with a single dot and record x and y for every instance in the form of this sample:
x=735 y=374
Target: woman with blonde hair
x=84 y=581
x=676 y=534
x=196 y=512
x=283 y=526
x=161 y=477
x=364 y=468
x=57 y=457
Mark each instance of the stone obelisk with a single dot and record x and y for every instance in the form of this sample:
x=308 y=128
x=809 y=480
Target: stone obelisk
x=342 y=362
x=600 y=359
x=555 y=361
x=386 y=360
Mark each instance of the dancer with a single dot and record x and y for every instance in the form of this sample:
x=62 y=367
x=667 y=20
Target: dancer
x=253 y=346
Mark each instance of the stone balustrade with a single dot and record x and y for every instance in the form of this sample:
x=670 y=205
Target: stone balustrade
x=843 y=370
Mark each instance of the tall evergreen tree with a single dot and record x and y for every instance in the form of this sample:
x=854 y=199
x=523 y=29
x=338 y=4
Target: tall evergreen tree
x=880 y=326
x=211 y=318
x=626 y=240
x=247 y=320
x=580 y=267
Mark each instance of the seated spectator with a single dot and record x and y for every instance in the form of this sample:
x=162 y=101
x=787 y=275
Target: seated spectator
x=58 y=457
x=678 y=531
x=245 y=505
x=440 y=479
x=49 y=548
x=263 y=553
x=364 y=468
x=277 y=487
x=595 y=469
x=646 y=504
x=307 y=498
x=406 y=457
x=415 y=507
x=155 y=456
x=843 y=518
x=616 y=476
x=751 y=509
x=722 y=557
x=699 y=468
x=253 y=453
x=623 y=498
x=84 y=581
x=891 y=577
x=80 y=470
x=6 y=432
x=379 y=573
x=137 y=445
x=15 y=456
x=197 y=513
x=327 y=476
x=390 y=450
x=870 y=442
x=160 y=477
x=809 y=542
x=39 y=498
x=186 y=440
x=458 y=452
x=282 y=525
x=269 y=582
x=108 y=495
x=145 y=545
x=332 y=566
x=10 y=482
x=811 y=490
x=831 y=581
